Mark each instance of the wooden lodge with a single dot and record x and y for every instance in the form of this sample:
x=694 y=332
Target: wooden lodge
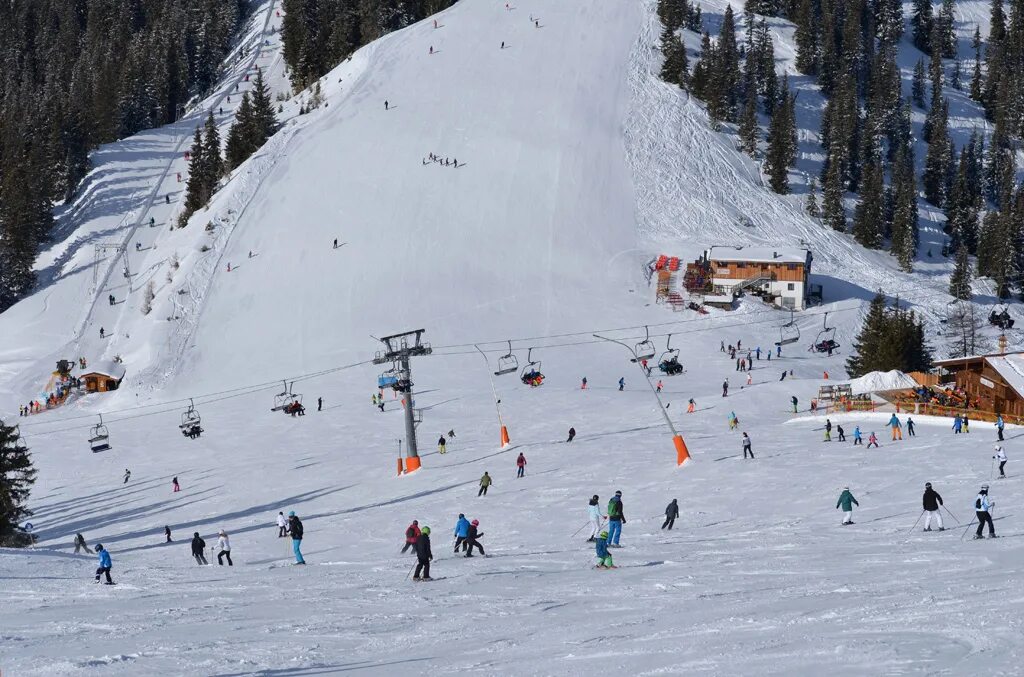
x=995 y=382
x=102 y=377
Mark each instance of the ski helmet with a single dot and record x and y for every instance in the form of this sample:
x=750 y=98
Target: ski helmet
x=475 y=523
x=425 y=531
x=846 y=488
x=984 y=487
x=927 y=485
x=996 y=447
x=604 y=534
x=291 y=514
x=461 y=516
x=595 y=497
x=99 y=546
x=618 y=493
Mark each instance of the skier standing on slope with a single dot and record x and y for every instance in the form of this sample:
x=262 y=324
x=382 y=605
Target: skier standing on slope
x=691 y=406
x=441 y=444
x=105 y=564
x=897 y=427
x=931 y=502
x=841 y=433
x=857 y=439
x=80 y=543
x=282 y=525
x=175 y=487
x=792 y=399
x=671 y=513
x=295 y=529
x=725 y=388
x=999 y=426
x=461 y=533
x=572 y=434
x=847 y=501
x=957 y=424
x=411 y=534
x=616 y=518
x=910 y=426
x=622 y=383
x=520 y=465
x=981 y=508
x=1001 y=457
x=127 y=475
x=595 y=516
x=225 y=548
x=199 y=549
x=471 y=539
x=423 y=556
x=828 y=430
x=583 y=383
x=872 y=439
x=746 y=447
x=485 y=482
x=604 y=558
x=167 y=533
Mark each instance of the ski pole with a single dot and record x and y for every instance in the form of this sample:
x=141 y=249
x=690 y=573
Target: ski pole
x=909 y=533
x=952 y=515
x=580 y=529
x=969 y=525
x=410 y=572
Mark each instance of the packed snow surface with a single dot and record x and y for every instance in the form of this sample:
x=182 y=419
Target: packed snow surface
x=575 y=167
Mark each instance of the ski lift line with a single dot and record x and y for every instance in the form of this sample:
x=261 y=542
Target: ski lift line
x=175 y=405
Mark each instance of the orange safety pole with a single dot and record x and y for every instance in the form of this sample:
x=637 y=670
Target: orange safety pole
x=682 y=453
x=504 y=437
x=400 y=469
x=412 y=464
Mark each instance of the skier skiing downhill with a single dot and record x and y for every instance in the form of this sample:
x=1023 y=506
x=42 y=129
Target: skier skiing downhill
x=1001 y=457
x=282 y=525
x=423 y=556
x=616 y=518
x=105 y=564
x=725 y=388
x=199 y=549
x=847 y=501
x=910 y=426
x=872 y=439
x=828 y=430
x=982 y=506
x=485 y=482
x=224 y=545
x=622 y=384
x=931 y=502
x=461 y=533
x=746 y=447
x=520 y=465
x=604 y=558
x=671 y=513
x=857 y=439
x=595 y=516
x=471 y=539
x=572 y=434
x=411 y=534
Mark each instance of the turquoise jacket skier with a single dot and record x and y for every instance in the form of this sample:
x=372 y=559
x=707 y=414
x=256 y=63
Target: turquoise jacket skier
x=847 y=501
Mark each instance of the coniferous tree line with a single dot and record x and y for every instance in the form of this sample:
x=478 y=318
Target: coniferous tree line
x=319 y=34
x=78 y=73
x=850 y=47
x=17 y=475
x=891 y=337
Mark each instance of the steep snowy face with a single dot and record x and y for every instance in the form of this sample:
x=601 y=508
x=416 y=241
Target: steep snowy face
x=521 y=237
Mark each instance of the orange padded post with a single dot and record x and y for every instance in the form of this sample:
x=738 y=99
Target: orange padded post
x=504 y=437
x=682 y=453
x=400 y=469
x=412 y=464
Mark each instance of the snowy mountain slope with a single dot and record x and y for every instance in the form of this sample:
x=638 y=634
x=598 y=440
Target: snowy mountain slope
x=541 y=232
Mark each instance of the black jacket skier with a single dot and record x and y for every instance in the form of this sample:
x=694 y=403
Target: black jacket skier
x=671 y=513
x=423 y=555
x=471 y=539
x=295 y=528
x=931 y=499
x=199 y=549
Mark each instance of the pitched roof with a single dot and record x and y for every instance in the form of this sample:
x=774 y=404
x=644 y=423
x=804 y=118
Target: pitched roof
x=759 y=254
x=106 y=368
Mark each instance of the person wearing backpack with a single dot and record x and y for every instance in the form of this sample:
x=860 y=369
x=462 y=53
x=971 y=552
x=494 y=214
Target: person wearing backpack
x=982 y=506
x=616 y=518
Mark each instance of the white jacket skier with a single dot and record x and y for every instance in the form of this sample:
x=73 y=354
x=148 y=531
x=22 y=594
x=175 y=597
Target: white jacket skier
x=1001 y=457
x=595 y=516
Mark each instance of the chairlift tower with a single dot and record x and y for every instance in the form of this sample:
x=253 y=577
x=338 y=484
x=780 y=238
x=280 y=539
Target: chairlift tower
x=399 y=349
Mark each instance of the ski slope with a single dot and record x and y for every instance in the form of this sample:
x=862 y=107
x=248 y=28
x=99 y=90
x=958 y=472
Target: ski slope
x=576 y=165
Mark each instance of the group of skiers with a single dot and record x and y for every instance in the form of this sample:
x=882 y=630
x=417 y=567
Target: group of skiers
x=931 y=502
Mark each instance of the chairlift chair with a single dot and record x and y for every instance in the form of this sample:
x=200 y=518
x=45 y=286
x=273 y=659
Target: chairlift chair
x=507 y=364
x=99 y=437
x=191 y=422
x=531 y=374
x=645 y=350
x=668 y=363
x=789 y=332
x=826 y=338
x=19 y=440
x=1001 y=319
x=286 y=399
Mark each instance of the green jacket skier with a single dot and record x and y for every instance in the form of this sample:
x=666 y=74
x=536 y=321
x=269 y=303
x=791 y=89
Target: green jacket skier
x=847 y=501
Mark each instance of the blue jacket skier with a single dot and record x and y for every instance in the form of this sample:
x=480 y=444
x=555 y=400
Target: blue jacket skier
x=105 y=564
x=462 y=533
x=604 y=558
x=857 y=439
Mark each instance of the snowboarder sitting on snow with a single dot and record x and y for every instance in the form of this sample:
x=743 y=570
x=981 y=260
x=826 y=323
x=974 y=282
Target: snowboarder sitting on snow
x=199 y=548
x=461 y=533
x=847 y=501
x=604 y=558
x=105 y=564
x=411 y=534
x=423 y=556
x=471 y=538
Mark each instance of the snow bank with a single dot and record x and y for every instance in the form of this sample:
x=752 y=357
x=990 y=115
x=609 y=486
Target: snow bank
x=881 y=380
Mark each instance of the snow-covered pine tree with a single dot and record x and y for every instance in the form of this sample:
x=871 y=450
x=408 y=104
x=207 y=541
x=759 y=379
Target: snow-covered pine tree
x=17 y=475
x=921 y=24
x=960 y=280
x=869 y=215
x=917 y=84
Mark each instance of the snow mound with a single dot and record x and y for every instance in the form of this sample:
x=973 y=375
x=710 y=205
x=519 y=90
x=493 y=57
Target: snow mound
x=876 y=381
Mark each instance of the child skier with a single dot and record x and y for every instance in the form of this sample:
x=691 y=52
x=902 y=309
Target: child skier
x=847 y=501
x=471 y=539
x=595 y=516
x=224 y=545
x=1001 y=457
x=604 y=558
x=461 y=533
x=105 y=564
x=872 y=440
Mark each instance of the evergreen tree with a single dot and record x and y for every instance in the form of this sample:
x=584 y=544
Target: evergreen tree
x=904 y=225
x=890 y=338
x=962 y=207
x=806 y=37
x=17 y=475
x=213 y=163
x=947 y=30
x=264 y=119
x=939 y=158
x=239 y=145
x=196 y=187
x=888 y=23
x=921 y=24
x=976 y=89
x=700 y=80
x=675 y=69
x=917 y=84
x=960 y=281
x=811 y=207
x=868 y=219
x=833 y=211
x=781 y=153
x=749 y=130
